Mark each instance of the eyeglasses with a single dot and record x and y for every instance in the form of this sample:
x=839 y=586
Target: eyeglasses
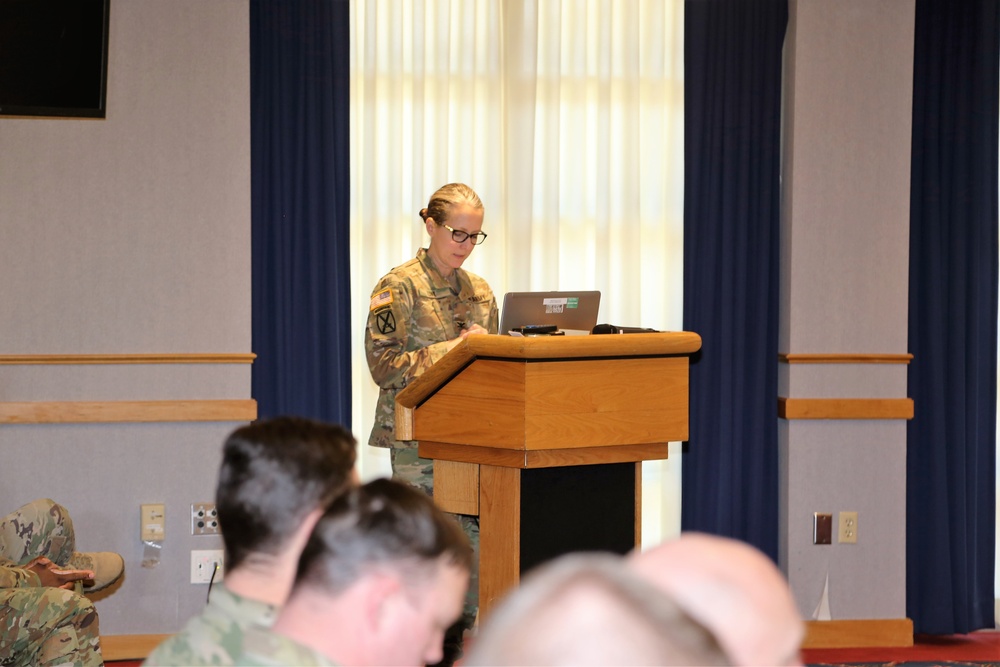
x=458 y=236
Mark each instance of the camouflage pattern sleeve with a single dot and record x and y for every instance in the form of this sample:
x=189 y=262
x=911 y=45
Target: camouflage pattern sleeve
x=48 y=626
x=494 y=326
x=12 y=576
x=42 y=527
x=403 y=336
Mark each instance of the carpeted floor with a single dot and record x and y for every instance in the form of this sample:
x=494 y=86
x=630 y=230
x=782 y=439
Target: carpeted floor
x=977 y=648
x=906 y=663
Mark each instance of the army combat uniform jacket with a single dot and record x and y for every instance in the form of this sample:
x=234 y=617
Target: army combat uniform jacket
x=215 y=636
x=264 y=648
x=413 y=312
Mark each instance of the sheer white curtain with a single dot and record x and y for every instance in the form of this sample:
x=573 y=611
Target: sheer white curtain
x=567 y=119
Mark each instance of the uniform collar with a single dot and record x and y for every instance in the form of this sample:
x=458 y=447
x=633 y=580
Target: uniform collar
x=439 y=283
x=240 y=606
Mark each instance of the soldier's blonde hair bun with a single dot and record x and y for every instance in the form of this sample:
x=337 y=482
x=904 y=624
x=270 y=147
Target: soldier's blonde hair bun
x=446 y=198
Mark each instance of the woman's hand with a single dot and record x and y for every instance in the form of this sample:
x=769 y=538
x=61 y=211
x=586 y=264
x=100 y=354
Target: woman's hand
x=472 y=330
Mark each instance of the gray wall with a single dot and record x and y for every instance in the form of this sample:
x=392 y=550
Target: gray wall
x=845 y=238
x=131 y=235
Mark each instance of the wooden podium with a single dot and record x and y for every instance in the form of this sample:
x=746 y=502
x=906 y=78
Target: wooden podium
x=543 y=439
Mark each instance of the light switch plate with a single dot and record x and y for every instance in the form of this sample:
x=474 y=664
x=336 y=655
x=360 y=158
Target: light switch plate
x=152 y=522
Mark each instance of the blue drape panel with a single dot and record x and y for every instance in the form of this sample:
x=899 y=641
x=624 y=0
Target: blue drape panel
x=732 y=116
x=951 y=442
x=299 y=88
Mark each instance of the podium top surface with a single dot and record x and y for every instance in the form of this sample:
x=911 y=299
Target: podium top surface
x=545 y=347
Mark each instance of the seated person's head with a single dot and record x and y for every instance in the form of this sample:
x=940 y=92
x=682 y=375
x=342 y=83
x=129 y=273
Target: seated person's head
x=589 y=609
x=274 y=474
x=732 y=588
x=401 y=565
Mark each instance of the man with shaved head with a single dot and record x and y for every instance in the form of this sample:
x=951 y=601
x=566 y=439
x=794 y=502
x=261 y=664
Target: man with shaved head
x=734 y=590
x=590 y=609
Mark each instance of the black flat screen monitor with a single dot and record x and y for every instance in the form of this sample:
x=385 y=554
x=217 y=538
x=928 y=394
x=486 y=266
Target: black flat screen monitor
x=53 y=57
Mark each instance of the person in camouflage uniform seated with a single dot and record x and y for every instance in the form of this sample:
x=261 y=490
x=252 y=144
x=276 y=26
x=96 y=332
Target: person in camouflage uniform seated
x=276 y=478
x=418 y=312
x=383 y=576
x=42 y=621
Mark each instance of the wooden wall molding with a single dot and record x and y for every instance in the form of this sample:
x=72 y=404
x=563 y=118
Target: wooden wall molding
x=129 y=647
x=85 y=412
x=859 y=633
x=109 y=359
x=845 y=408
x=794 y=358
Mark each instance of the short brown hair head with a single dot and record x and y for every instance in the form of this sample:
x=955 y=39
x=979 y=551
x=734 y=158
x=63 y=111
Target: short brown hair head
x=382 y=523
x=273 y=473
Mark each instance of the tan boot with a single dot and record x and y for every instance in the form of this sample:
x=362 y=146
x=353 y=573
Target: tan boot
x=107 y=567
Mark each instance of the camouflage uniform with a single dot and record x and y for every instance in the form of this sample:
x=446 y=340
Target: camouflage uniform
x=263 y=647
x=42 y=625
x=216 y=635
x=414 y=311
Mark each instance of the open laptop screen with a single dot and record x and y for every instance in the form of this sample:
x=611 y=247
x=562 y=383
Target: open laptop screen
x=572 y=312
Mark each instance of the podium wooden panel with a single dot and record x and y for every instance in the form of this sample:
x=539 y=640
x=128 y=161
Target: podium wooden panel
x=543 y=439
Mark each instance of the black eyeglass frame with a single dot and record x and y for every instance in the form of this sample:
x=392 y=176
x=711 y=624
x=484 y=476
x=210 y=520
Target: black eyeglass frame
x=459 y=236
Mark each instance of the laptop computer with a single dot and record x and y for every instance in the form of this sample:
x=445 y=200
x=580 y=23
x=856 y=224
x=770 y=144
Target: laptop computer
x=571 y=312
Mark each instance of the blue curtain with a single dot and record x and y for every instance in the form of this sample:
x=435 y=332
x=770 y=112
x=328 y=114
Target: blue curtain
x=299 y=96
x=951 y=442
x=732 y=112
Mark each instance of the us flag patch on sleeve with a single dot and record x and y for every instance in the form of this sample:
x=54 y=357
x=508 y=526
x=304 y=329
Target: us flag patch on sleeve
x=383 y=298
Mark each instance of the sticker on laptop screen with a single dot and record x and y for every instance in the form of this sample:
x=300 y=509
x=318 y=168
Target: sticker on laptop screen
x=559 y=304
x=568 y=302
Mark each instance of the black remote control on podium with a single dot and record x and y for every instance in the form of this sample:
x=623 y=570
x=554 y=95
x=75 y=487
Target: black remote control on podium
x=537 y=329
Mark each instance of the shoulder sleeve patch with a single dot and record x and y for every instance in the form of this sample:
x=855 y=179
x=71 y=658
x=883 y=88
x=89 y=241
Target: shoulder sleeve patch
x=385 y=321
x=380 y=299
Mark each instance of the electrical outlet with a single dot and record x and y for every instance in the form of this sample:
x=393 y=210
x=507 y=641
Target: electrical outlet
x=204 y=564
x=822 y=527
x=204 y=519
x=848 y=528
x=152 y=522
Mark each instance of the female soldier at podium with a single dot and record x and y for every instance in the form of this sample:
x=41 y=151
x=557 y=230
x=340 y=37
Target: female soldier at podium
x=418 y=312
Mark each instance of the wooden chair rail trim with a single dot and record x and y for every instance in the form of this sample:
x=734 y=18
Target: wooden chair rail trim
x=110 y=359
x=806 y=358
x=129 y=647
x=845 y=408
x=85 y=412
x=858 y=633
